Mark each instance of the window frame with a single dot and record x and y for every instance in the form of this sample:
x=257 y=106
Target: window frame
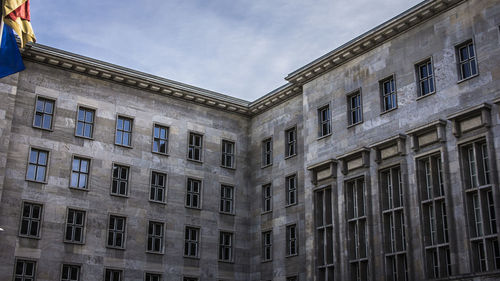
x=47 y=98
x=418 y=79
x=231 y=199
x=265 y=245
x=83 y=226
x=265 y=152
x=264 y=198
x=196 y=242
x=225 y=154
x=201 y=147
x=165 y=186
x=221 y=247
x=130 y=132
x=25 y=260
x=153 y=236
x=124 y=232
x=167 y=139
x=85 y=108
x=89 y=169
x=459 y=63
x=39 y=149
x=383 y=95
x=349 y=96
x=40 y=222
x=288 y=191
x=127 y=181
x=146 y=273
x=200 y=193
x=288 y=240
x=114 y=269
x=289 y=143
x=321 y=122
x=79 y=266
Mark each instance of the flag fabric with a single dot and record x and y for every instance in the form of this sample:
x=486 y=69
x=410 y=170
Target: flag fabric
x=17 y=16
x=10 y=57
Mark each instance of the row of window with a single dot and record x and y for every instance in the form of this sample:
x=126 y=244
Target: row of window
x=290 y=147
x=85 y=123
x=291 y=240
x=467 y=68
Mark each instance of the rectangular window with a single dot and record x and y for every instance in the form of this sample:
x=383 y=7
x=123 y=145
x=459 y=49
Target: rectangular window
x=85 y=122
x=291 y=190
x=193 y=195
x=31 y=220
x=267 y=152
x=267 y=246
x=153 y=277
x=227 y=154
x=191 y=242
x=291 y=142
x=267 y=198
x=120 y=180
x=75 y=226
x=25 y=270
x=160 y=139
x=226 y=199
x=467 y=63
x=37 y=166
x=70 y=272
x=44 y=113
x=123 y=131
x=155 y=237
x=325 y=127
x=388 y=93
x=116 y=232
x=357 y=228
x=190 y=279
x=324 y=233
x=195 y=146
x=225 y=246
x=80 y=173
x=354 y=108
x=291 y=240
x=425 y=74
x=158 y=187
x=113 y=275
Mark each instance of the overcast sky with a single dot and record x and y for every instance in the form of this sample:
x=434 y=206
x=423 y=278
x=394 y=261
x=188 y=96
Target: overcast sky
x=242 y=48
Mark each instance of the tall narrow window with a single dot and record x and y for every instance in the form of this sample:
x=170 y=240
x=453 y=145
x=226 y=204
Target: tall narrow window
x=325 y=126
x=357 y=228
x=291 y=190
x=37 y=166
x=75 y=225
x=291 y=142
x=31 y=220
x=153 y=277
x=425 y=75
x=116 y=232
x=70 y=272
x=193 y=196
x=44 y=113
x=291 y=240
x=113 y=275
x=191 y=242
x=25 y=270
x=123 y=131
x=155 y=237
x=355 y=109
x=267 y=198
x=267 y=246
x=160 y=139
x=195 y=146
x=466 y=60
x=267 y=152
x=158 y=187
x=85 y=122
x=226 y=199
x=324 y=233
x=225 y=246
x=388 y=93
x=227 y=154
x=120 y=180
x=80 y=173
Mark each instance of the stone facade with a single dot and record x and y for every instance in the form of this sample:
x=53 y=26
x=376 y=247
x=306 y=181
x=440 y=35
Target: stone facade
x=423 y=144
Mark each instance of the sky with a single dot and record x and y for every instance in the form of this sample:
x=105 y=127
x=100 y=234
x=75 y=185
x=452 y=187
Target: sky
x=241 y=48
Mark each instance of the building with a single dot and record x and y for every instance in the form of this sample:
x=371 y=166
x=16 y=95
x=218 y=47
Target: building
x=377 y=161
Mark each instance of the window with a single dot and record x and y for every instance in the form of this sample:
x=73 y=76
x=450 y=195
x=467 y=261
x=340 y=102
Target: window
x=357 y=228
x=391 y=189
x=123 y=131
x=85 y=122
x=37 y=166
x=466 y=60
x=191 y=242
x=425 y=75
x=325 y=127
x=292 y=278
x=388 y=92
x=324 y=234
x=227 y=154
x=44 y=113
x=75 y=225
x=267 y=246
x=354 y=108
x=195 y=146
x=80 y=173
x=190 y=279
x=267 y=152
x=158 y=187
x=291 y=190
x=291 y=240
x=116 y=232
x=435 y=220
x=155 y=237
x=291 y=142
x=267 y=198
x=226 y=199
x=113 y=275
x=193 y=194
x=70 y=272
x=160 y=139
x=153 y=277
x=480 y=206
x=225 y=246
x=25 y=270
x=31 y=220
x=120 y=180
